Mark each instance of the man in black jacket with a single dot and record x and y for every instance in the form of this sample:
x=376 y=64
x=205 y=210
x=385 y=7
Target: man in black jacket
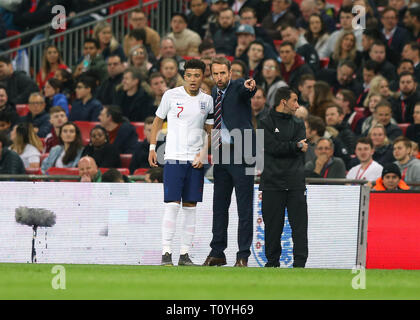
x=135 y=103
x=342 y=78
x=334 y=117
x=283 y=179
x=403 y=106
x=10 y=161
x=107 y=91
x=198 y=18
x=122 y=133
x=37 y=115
x=18 y=85
x=292 y=65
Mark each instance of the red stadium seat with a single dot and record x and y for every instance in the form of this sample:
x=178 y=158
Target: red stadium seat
x=140 y=171
x=186 y=58
x=85 y=128
x=124 y=171
x=123 y=6
x=139 y=129
x=403 y=127
x=125 y=160
x=53 y=171
x=22 y=109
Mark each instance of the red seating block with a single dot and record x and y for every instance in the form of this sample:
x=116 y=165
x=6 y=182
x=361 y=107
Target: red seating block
x=85 y=128
x=140 y=171
x=64 y=171
x=139 y=129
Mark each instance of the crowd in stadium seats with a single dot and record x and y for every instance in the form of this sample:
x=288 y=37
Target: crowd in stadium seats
x=352 y=83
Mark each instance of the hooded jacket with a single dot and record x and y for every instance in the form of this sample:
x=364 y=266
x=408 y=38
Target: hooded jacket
x=284 y=162
x=298 y=69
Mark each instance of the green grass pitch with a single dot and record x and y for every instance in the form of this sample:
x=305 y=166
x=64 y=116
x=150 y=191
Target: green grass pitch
x=34 y=281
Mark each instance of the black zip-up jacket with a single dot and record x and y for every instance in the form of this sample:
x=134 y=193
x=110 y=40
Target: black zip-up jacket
x=284 y=162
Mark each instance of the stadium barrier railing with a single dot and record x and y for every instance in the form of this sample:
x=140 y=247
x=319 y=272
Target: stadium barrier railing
x=70 y=41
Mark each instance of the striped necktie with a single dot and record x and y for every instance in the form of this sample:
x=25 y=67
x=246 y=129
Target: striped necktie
x=217 y=138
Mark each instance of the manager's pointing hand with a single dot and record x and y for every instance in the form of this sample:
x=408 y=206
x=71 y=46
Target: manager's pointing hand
x=250 y=84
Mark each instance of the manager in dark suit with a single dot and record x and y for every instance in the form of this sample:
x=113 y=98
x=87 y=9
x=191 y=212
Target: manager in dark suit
x=232 y=111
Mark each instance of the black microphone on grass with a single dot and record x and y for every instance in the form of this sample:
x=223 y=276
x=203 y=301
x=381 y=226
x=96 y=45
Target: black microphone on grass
x=34 y=217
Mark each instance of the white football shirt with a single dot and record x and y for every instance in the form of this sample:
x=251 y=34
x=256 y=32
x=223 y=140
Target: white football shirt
x=373 y=172
x=186 y=116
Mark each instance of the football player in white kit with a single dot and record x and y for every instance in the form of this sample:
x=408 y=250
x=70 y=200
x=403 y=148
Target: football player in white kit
x=188 y=111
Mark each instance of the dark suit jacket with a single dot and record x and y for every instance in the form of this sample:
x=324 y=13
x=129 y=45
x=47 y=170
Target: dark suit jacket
x=409 y=102
x=397 y=43
x=271 y=27
x=236 y=109
x=139 y=107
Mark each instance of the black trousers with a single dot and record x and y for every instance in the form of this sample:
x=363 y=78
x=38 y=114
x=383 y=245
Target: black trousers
x=227 y=177
x=274 y=204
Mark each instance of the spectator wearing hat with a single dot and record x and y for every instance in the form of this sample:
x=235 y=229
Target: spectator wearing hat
x=246 y=35
x=186 y=41
x=391 y=179
x=248 y=16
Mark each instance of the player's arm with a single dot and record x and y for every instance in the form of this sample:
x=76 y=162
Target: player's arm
x=156 y=127
x=201 y=157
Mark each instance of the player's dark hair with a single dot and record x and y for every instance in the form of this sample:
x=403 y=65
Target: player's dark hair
x=195 y=64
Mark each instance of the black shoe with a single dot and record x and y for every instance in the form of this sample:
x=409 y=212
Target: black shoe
x=272 y=265
x=167 y=259
x=184 y=260
x=213 y=261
